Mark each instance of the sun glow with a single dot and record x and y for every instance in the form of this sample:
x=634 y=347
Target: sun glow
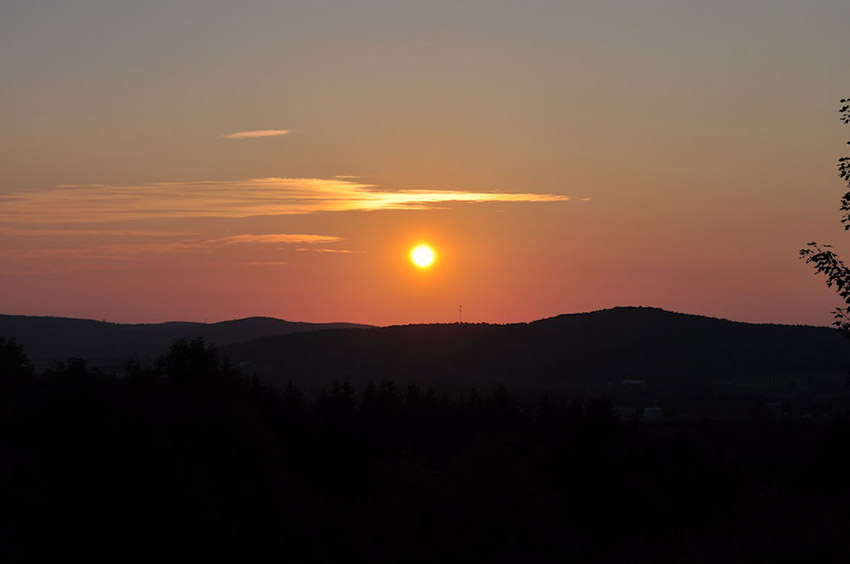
x=422 y=256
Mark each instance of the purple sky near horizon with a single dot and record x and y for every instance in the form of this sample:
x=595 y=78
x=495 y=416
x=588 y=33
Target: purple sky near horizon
x=191 y=160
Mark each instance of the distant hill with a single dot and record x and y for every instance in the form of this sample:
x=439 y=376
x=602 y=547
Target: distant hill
x=108 y=345
x=627 y=353
x=588 y=352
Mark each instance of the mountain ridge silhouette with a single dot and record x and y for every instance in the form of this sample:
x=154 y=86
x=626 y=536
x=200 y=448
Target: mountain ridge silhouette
x=590 y=351
x=569 y=354
x=108 y=345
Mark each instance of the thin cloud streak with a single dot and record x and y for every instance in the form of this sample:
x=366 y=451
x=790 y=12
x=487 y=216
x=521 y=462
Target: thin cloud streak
x=74 y=232
x=286 y=238
x=225 y=199
x=256 y=134
x=124 y=251
x=336 y=251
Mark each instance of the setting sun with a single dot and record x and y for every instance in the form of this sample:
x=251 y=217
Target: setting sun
x=422 y=256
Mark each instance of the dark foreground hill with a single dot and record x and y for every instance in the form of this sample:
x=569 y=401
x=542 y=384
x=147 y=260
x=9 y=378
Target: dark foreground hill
x=603 y=352
x=108 y=345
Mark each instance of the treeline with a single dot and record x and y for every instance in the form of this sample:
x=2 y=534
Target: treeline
x=189 y=458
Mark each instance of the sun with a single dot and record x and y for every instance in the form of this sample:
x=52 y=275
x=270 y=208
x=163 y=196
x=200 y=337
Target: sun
x=423 y=256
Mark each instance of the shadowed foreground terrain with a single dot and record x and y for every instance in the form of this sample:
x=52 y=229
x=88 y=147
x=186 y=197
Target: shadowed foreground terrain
x=190 y=459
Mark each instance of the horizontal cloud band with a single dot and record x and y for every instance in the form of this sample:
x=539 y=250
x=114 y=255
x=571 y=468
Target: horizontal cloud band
x=259 y=196
x=125 y=250
x=256 y=134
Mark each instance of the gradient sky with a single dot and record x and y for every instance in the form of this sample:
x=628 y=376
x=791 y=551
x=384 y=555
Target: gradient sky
x=203 y=159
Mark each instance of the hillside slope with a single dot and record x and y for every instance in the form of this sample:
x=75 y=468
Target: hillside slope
x=589 y=351
x=107 y=345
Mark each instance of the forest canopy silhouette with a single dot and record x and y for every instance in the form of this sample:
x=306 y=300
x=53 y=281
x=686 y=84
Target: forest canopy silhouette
x=190 y=456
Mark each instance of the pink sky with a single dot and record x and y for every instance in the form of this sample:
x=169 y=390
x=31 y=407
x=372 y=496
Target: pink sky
x=196 y=160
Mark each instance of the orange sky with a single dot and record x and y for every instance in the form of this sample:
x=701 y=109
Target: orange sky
x=205 y=160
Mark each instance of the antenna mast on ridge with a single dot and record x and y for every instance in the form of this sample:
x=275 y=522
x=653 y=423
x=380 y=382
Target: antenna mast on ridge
x=460 y=315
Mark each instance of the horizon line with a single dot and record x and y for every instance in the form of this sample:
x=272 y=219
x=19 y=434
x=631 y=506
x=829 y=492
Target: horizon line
x=412 y=323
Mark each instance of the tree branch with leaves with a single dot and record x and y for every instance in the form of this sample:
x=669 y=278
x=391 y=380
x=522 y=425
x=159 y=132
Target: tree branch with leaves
x=824 y=260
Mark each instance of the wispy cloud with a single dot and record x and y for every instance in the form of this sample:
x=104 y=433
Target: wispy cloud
x=286 y=238
x=256 y=134
x=266 y=263
x=128 y=250
x=111 y=251
x=54 y=230
x=340 y=251
x=246 y=198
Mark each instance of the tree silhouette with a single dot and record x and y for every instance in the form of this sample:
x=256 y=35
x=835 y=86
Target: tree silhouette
x=292 y=400
x=822 y=257
x=72 y=369
x=192 y=363
x=13 y=360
